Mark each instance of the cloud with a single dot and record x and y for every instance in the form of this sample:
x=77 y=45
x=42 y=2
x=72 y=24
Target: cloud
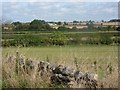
x=60 y=0
x=109 y=10
x=26 y=11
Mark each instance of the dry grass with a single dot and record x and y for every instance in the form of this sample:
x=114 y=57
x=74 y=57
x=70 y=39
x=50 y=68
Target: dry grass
x=22 y=80
x=100 y=62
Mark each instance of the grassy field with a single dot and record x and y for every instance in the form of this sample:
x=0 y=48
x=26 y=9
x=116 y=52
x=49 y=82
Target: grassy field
x=68 y=53
x=85 y=56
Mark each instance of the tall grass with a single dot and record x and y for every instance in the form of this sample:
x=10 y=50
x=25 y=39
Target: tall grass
x=96 y=59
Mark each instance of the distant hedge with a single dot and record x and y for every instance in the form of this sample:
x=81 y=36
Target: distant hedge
x=59 y=38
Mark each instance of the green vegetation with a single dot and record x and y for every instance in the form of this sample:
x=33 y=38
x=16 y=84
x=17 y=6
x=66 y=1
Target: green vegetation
x=26 y=39
x=58 y=38
x=33 y=25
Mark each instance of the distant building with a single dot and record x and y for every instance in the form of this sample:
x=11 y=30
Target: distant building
x=52 y=24
x=70 y=26
x=83 y=23
x=116 y=24
x=69 y=23
x=7 y=27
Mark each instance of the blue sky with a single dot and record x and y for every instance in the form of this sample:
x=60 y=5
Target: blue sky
x=59 y=11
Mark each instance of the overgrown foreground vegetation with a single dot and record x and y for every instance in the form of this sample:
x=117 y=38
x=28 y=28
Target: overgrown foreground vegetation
x=99 y=60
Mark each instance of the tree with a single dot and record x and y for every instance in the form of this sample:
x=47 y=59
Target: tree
x=105 y=39
x=21 y=26
x=62 y=28
x=102 y=21
x=59 y=23
x=65 y=23
x=75 y=21
x=114 y=20
x=39 y=25
x=90 y=25
x=58 y=38
x=118 y=29
x=109 y=28
x=16 y=23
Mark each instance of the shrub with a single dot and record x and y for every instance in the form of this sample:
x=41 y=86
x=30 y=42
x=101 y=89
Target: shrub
x=58 y=38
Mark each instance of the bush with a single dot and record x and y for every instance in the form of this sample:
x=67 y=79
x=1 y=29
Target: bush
x=58 y=38
x=105 y=40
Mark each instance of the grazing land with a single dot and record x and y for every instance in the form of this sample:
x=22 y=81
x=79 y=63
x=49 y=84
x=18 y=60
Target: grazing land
x=85 y=55
x=89 y=52
x=75 y=46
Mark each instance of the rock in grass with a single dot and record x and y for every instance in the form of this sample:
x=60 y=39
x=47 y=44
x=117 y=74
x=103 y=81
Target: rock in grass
x=68 y=71
x=60 y=79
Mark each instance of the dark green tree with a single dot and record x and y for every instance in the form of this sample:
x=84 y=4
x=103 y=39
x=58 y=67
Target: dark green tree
x=90 y=25
x=63 y=28
x=59 y=23
x=16 y=23
x=39 y=25
x=118 y=29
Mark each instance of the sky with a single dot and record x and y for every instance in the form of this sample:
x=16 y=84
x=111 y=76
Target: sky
x=59 y=11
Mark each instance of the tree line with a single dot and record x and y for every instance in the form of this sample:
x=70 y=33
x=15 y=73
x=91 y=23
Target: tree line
x=42 y=25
